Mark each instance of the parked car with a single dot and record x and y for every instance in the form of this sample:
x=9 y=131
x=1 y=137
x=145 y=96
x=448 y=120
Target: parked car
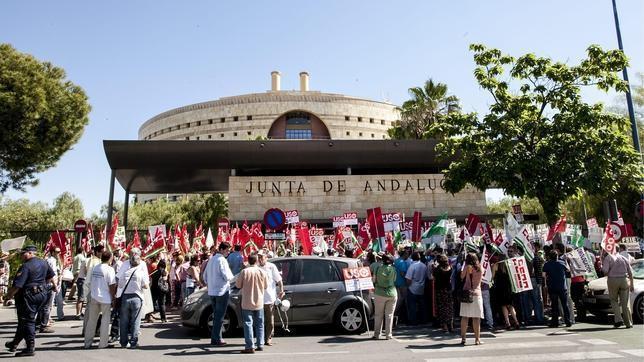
x=596 y=298
x=314 y=287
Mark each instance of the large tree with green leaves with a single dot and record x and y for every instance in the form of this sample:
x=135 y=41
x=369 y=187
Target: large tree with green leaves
x=540 y=139
x=42 y=116
x=427 y=104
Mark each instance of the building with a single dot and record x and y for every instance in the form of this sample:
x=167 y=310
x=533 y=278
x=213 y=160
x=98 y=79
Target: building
x=319 y=153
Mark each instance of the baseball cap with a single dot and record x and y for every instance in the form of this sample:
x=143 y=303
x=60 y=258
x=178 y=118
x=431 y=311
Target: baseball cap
x=28 y=248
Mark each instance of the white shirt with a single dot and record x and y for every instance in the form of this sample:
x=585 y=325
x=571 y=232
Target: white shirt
x=416 y=273
x=218 y=275
x=103 y=277
x=53 y=263
x=140 y=279
x=272 y=278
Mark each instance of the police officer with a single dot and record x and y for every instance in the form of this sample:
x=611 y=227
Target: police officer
x=29 y=288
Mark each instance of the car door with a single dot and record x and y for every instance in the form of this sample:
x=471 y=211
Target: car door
x=318 y=288
x=288 y=271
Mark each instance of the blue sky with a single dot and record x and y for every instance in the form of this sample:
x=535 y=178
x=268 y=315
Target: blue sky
x=136 y=59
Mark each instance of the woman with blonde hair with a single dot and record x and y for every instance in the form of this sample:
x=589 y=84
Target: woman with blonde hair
x=470 y=297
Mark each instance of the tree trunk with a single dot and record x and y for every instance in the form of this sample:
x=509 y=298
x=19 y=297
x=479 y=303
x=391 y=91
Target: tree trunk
x=550 y=208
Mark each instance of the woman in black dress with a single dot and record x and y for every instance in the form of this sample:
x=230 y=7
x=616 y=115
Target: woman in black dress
x=443 y=288
x=502 y=292
x=158 y=295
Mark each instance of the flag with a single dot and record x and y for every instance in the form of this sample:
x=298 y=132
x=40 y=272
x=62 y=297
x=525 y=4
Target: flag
x=184 y=244
x=522 y=240
x=338 y=244
x=210 y=241
x=558 y=227
x=221 y=236
x=110 y=237
x=136 y=243
x=90 y=235
x=439 y=227
x=13 y=244
x=486 y=265
x=305 y=240
x=169 y=241
x=87 y=247
x=257 y=236
x=198 y=240
x=472 y=224
x=397 y=238
x=608 y=242
x=363 y=235
x=376 y=225
x=577 y=239
x=156 y=245
x=415 y=231
x=511 y=226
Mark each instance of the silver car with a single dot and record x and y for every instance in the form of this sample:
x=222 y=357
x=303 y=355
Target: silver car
x=315 y=288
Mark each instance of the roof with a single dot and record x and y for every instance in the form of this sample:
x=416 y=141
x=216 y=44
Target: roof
x=204 y=166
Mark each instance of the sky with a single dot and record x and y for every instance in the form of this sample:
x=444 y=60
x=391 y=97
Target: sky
x=136 y=59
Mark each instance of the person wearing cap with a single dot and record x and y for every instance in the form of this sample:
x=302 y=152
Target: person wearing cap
x=55 y=297
x=132 y=279
x=30 y=289
x=273 y=279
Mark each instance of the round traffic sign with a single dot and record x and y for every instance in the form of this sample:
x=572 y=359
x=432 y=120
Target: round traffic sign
x=80 y=226
x=274 y=219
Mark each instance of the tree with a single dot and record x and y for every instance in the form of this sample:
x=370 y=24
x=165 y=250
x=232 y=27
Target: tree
x=426 y=106
x=529 y=206
x=539 y=138
x=66 y=210
x=42 y=117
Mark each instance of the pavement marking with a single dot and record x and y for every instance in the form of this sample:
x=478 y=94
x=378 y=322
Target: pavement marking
x=597 y=341
x=294 y=353
x=566 y=356
x=634 y=352
x=484 y=336
x=455 y=348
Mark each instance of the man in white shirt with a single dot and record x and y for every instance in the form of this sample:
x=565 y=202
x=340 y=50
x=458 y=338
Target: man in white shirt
x=273 y=279
x=85 y=272
x=133 y=278
x=416 y=275
x=217 y=277
x=101 y=296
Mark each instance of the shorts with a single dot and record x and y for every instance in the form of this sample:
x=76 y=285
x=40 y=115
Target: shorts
x=79 y=289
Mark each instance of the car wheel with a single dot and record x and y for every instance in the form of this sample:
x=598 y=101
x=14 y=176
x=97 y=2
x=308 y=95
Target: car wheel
x=638 y=309
x=350 y=318
x=207 y=320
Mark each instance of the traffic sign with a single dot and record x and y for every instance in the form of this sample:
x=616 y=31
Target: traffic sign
x=274 y=219
x=80 y=226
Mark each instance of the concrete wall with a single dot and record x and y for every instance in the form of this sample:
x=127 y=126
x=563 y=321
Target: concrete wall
x=321 y=197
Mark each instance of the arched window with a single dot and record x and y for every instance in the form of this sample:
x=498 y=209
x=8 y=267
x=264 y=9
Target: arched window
x=298 y=125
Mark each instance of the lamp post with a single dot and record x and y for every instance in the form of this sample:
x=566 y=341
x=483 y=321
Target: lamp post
x=629 y=99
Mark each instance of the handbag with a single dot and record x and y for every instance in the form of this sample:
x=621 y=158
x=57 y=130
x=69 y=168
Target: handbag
x=117 y=300
x=466 y=296
x=162 y=283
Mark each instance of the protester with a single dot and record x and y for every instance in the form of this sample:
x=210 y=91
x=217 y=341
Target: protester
x=561 y=251
x=385 y=297
x=55 y=298
x=252 y=283
x=192 y=276
x=175 y=280
x=218 y=277
x=536 y=278
x=443 y=288
x=502 y=295
x=133 y=278
x=554 y=272
x=617 y=269
x=236 y=260
x=79 y=281
x=273 y=279
x=101 y=296
x=471 y=276
x=86 y=270
x=5 y=271
x=159 y=286
x=415 y=276
x=401 y=264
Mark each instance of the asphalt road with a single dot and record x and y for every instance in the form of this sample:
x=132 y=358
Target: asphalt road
x=163 y=342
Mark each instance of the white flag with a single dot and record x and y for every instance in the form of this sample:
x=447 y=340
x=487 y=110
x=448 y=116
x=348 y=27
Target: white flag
x=13 y=244
x=511 y=225
x=210 y=241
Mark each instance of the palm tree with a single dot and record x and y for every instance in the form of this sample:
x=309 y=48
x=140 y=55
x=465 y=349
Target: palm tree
x=427 y=104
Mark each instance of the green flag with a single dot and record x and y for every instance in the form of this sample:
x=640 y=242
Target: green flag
x=397 y=238
x=437 y=228
x=577 y=239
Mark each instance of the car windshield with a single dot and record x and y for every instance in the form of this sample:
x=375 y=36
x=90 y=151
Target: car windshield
x=638 y=269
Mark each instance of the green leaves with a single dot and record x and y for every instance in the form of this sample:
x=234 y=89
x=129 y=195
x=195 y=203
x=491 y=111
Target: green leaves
x=42 y=116
x=539 y=138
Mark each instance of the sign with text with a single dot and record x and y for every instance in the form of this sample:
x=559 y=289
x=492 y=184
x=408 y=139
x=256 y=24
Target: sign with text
x=292 y=216
x=350 y=218
x=632 y=243
x=519 y=277
x=338 y=221
x=592 y=223
x=357 y=279
x=518 y=213
x=391 y=221
x=275 y=236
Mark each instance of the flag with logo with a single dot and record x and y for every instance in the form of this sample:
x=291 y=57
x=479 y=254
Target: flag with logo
x=198 y=241
x=184 y=244
x=519 y=277
x=558 y=227
x=257 y=236
x=305 y=239
x=608 y=242
x=136 y=242
x=472 y=224
x=154 y=246
x=363 y=235
x=486 y=265
x=111 y=243
x=522 y=241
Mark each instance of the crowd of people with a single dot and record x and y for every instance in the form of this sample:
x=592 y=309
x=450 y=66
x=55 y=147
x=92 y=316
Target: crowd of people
x=113 y=291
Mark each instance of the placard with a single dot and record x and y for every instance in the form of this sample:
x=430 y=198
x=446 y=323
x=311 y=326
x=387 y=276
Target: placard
x=292 y=216
x=592 y=223
x=350 y=218
x=391 y=221
x=519 y=277
x=357 y=279
x=275 y=236
x=338 y=221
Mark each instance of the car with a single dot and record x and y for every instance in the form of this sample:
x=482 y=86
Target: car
x=315 y=288
x=596 y=298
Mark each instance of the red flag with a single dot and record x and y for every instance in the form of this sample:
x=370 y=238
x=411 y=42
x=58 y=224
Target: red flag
x=415 y=232
x=609 y=243
x=305 y=239
x=472 y=224
x=338 y=243
x=169 y=241
x=184 y=244
x=233 y=237
x=363 y=235
x=499 y=239
x=389 y=244
x=558 y=227
x=243 y=235
x=136 y=243
x=110 y=236
x=155 y=245
x=257 y=236
x=376 y=225
x=198 y=241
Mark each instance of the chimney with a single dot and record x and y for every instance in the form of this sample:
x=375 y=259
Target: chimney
x=304 y=82
x=275 y=81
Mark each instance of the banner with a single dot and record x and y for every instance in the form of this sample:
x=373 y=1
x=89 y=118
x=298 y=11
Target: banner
x=338 y=221
x=391 y=221
x=350 y=218
x=415 y=232
x=592 y=223
x=579 y=263
x=357 y=279
x=609 y=243
x=519 y=277
x=486 y=265
x=119 y=238
x=292 y=216
x=13 y=244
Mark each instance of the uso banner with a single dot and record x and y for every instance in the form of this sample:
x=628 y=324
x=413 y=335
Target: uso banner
x=519 y=277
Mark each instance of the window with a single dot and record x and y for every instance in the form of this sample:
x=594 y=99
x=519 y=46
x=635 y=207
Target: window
x=298 y=134
x=187 y=138
x=249 y=118
x=198 y=123
x=318 y=271
x=210 y=121
x=221 y=135
x=348 y=133
x=287 y=270
x=360 y=134
x=235 y=118
x=347 y=118
x=248 y=133
x=373 y=135
x=235 y=134
x=209 y=136
x=188 y=125
x=382 y=122
x=370 y=120
x=383 y=136
x=222 y=120
x=359 y=119
x=197 y=138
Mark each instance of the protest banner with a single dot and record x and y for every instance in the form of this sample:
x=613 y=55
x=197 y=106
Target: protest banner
x=350 y=218
x=338 y=221
x=519 y=277
x=292 y=216
x=486 y=265
x=391 y=221
x=12 y=244
x=608 y=242
x=356 y=279
x=592 y=223
x=579 y=262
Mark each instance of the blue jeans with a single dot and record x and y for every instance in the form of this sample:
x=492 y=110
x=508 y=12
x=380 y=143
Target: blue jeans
x=219 y=305
x=413 y=315
x=559 y=297
x=524 y=304
x=130 y=316
x=253 y=326
x=537 y=301
x=487 y=308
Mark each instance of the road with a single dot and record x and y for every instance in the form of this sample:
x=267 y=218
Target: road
x=164 y=342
